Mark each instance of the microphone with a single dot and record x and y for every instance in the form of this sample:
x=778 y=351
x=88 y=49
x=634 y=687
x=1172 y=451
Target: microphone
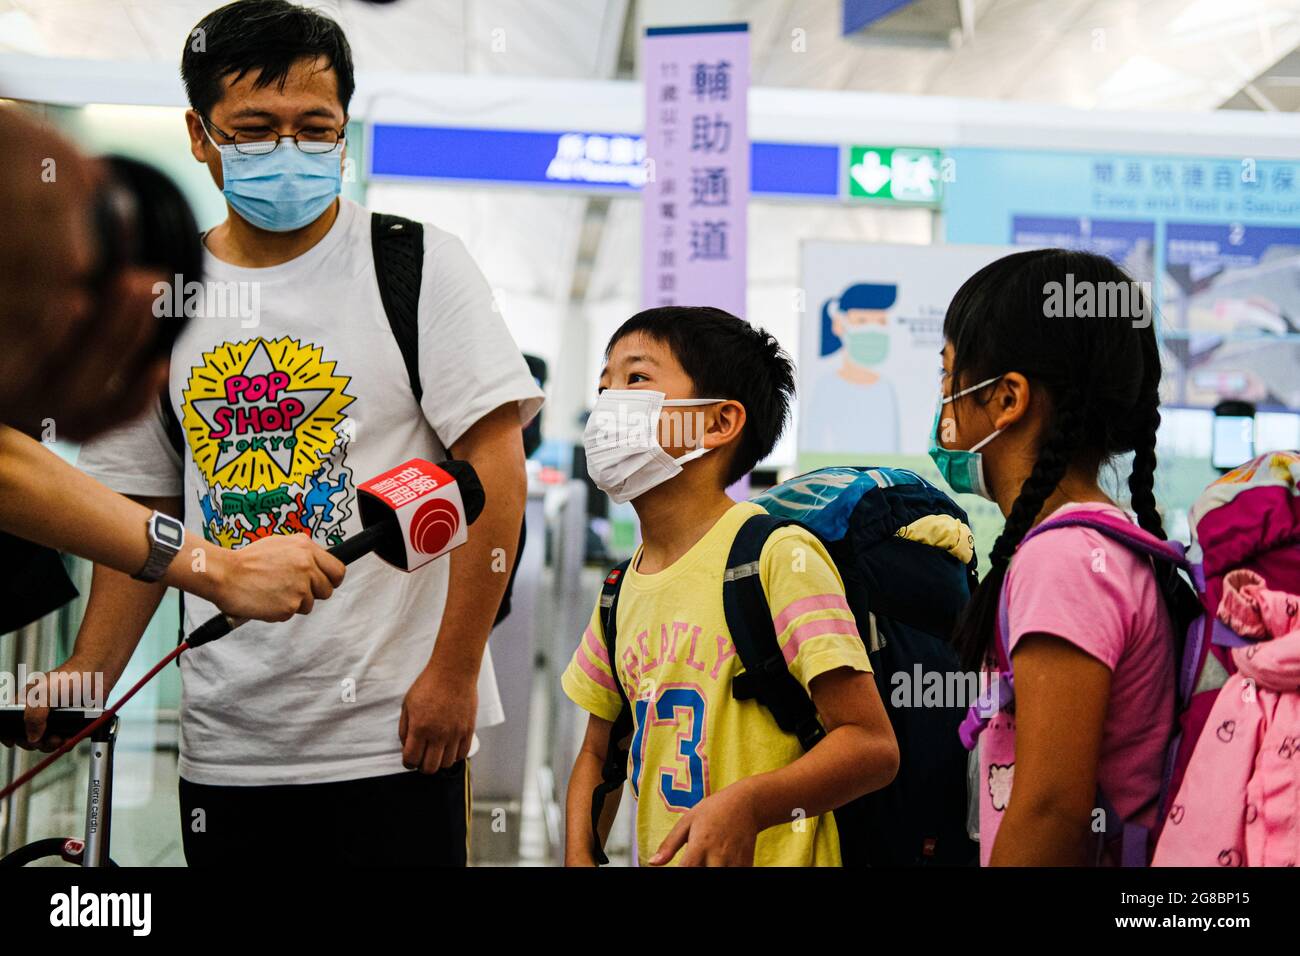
x=410 y=515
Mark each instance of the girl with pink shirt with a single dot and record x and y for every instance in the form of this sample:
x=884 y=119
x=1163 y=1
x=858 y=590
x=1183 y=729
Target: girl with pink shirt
x=1038 y=395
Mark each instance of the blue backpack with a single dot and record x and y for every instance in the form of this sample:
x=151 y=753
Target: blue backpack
x=892 y=536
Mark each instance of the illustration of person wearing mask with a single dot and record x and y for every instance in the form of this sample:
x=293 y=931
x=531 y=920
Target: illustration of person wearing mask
x=854 y=408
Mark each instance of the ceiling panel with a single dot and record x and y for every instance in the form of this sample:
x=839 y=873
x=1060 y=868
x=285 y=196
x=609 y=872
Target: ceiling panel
x=1109 y=54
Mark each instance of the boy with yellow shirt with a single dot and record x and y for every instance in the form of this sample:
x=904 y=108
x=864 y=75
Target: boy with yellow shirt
x=690 y=400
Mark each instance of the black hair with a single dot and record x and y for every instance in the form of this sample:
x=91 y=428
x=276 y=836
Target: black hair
x=726 y=357
x=267 y=36
x=1100 y=371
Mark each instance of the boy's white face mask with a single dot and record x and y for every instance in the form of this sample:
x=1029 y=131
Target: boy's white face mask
x=624 y=457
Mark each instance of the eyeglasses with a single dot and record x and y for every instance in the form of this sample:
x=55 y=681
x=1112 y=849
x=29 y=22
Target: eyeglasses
x=313 y=141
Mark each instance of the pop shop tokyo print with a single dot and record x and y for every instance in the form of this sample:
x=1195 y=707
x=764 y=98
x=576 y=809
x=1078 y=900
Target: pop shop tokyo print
x=269 y=438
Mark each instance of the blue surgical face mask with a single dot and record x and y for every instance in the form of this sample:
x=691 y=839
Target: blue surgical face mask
x=963 y=470
x=282 y=190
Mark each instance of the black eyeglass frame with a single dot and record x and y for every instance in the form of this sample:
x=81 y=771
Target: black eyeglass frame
x=275 y=143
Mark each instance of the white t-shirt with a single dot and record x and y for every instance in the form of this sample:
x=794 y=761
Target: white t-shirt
x=317 y=698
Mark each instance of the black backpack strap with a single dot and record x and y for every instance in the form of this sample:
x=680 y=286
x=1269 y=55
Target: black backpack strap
x=176 y=438
x=398 y=247
x=766 y=678
x=171 y=424
x=614 y=773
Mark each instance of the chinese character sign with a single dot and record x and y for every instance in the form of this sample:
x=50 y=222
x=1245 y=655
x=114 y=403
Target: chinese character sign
x=697 y=152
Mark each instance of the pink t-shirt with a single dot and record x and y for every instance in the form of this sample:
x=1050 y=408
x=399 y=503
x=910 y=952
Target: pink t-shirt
x=1085 y=588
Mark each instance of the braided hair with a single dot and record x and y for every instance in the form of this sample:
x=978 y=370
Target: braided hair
x=1100 y=373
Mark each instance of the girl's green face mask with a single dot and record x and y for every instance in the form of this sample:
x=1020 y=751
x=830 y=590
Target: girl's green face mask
x=963 y=470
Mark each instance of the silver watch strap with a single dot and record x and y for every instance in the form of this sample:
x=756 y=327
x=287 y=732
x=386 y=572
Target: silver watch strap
x=166 y=535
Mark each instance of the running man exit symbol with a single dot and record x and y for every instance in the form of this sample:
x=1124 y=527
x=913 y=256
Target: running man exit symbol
x=894 y=173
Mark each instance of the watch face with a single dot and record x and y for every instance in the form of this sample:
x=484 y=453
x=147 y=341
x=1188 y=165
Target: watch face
x=167 y=530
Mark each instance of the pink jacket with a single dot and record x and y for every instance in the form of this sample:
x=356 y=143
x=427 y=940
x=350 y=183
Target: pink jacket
x=1239 y=803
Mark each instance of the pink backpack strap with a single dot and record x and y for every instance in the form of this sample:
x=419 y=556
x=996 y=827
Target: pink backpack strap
x=1120 y=530
x=996 y=695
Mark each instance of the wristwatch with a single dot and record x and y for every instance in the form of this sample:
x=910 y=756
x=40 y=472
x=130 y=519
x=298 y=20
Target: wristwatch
x=166 y=535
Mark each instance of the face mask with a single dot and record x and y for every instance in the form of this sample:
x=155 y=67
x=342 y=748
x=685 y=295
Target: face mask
x=282 y=190
x=963 y=470
x=867 y=346
x=624 y=457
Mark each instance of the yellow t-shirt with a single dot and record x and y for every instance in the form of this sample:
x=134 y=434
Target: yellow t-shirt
x=676 y=662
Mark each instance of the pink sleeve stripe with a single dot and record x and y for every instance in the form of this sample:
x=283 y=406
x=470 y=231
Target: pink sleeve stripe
x=595 y=646
x=594 y=672
x=806 y=632
x=818 y=602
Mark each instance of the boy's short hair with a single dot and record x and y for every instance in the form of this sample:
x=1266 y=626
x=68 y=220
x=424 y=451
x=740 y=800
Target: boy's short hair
x=726 y=357
x=266 y=35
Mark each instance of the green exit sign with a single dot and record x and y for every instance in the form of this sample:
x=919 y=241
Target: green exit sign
x=895 y=173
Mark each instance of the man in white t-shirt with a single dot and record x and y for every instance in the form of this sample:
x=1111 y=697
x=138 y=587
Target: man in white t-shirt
x=343 y=736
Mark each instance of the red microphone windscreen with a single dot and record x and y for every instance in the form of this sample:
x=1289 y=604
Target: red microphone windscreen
x=428 y=506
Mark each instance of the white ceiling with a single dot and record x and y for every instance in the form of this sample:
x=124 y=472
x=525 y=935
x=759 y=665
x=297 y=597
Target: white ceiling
x=1177 y=55
x=1104 y=54
x=1107 y=54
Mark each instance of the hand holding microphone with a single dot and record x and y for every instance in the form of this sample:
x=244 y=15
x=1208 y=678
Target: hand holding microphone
x=410 y=515
x=272 y=579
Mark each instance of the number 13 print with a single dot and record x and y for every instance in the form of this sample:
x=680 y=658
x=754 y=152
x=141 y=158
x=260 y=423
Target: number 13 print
x=681 y=706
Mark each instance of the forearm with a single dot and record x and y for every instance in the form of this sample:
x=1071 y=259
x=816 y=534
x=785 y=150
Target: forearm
x=117 y=612
x=1040 y=831
x=847 y=763
x=480 y=569
x=46 y=500
x=1058 y=750
x=586 y=776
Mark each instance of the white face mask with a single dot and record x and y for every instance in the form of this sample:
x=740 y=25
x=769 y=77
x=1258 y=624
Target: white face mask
x=624 y=457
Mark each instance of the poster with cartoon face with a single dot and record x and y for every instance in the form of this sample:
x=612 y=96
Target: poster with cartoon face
x=870 y=343
x=268 y=436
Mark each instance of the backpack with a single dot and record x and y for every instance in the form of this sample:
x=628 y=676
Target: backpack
x=1136 y=842
x=398 y=248
x=1248 y=520
x=905 y=592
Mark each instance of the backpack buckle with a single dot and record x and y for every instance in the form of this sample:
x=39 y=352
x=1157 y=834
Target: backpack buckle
x=748 y=686
x=810 y=733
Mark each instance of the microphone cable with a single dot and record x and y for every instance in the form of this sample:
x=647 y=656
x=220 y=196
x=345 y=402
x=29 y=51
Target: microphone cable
x=98 y=722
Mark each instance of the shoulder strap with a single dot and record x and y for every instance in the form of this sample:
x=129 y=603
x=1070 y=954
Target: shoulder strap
x=766 y=677
x=171 y=424
x=1120 y=530
x=398 y=247
x=175 y=438
x=614 y=772
x=1170 y=556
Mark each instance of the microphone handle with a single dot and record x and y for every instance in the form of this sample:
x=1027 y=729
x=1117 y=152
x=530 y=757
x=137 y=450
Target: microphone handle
x=347 y=551
x=363 y=542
